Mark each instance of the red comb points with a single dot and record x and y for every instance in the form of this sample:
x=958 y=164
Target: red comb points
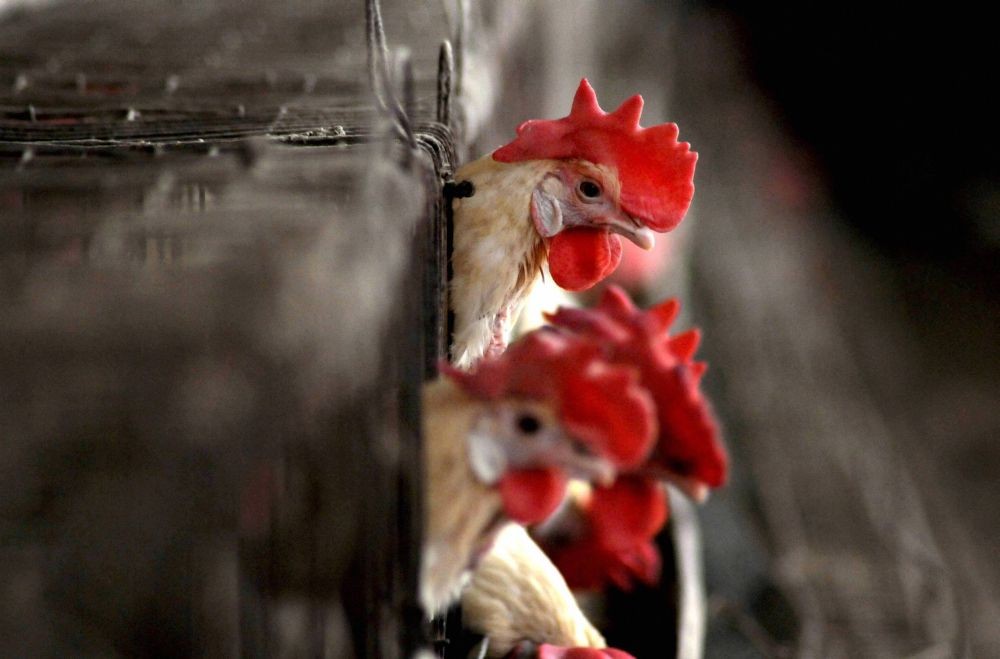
x=688 y=443
x=601 y=405
x=684 y=345
x=655 y=170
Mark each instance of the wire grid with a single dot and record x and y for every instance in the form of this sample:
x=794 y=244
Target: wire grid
x=135 y=152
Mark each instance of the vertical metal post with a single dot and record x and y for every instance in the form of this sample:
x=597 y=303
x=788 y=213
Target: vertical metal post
x=446 y=72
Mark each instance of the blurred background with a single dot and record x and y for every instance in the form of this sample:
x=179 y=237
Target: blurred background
x=193 y=194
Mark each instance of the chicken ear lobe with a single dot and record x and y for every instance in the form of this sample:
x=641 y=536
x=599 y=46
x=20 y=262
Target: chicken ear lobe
x=546 y=212
x=486 y=457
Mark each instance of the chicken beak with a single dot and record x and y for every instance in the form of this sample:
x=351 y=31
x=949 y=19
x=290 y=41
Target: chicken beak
x=591 y=469
x=633 y=230
x=692 y=488
x=604 y=476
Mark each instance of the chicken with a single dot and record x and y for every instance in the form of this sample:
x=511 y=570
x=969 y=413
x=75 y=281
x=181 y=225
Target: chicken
x=560 y=194
x=515 y=593
x=502 y=440
x=613 y=542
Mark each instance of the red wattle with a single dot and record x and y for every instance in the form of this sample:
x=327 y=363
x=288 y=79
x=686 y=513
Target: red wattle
x=628 y=512
x=530 y=495
x=579 y=258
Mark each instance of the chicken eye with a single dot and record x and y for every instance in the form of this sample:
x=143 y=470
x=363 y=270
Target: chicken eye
x=680 y=466
x=589 y=189
x=528 y=424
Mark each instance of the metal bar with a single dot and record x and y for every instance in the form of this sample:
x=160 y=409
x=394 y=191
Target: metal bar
x=692 y=616
x=446 y=72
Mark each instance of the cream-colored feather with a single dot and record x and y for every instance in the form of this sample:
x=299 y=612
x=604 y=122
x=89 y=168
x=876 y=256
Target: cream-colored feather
x=461 y=513
x=497 y=253
x=516 y=594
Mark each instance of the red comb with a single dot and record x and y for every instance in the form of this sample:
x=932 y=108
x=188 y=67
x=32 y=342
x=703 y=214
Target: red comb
x=601 y=405
x=688 y=443
x=655 y=170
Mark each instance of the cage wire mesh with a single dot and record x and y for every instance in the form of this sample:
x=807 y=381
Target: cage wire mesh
x=180 y=371
x=214 y=337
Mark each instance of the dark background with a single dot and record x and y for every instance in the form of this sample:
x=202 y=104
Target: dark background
x=895 y=104
x=855 y=150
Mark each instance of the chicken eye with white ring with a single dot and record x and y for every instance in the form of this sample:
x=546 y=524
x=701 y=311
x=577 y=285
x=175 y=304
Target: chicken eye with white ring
x=589 y=189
